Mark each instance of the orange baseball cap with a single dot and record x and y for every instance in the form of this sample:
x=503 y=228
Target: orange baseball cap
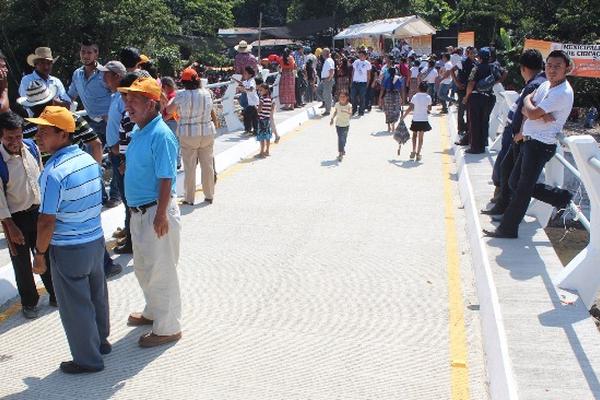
x=189 y=74
x=147 y=87
x=56 y=116
x=144 y=59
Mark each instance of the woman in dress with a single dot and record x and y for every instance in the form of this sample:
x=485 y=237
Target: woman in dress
x=390 y=96
x=342 y=76
x=287 y=83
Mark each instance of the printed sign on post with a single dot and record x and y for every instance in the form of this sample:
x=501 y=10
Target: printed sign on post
x=466 y=39
x=586 y=57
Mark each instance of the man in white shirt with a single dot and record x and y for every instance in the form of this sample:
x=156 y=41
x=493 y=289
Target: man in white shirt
x=326 y=85
x=19 y=204
x=429 y=75
x=546 y=110
x=361 y=75
x=446 y=83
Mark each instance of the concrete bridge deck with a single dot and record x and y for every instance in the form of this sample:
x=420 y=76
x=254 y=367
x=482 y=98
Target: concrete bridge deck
x=314 y=279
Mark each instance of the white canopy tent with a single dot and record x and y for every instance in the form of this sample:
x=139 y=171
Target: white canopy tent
x=398 y=28
x=413 y=29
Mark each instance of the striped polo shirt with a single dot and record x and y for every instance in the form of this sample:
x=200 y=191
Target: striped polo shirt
x=71 y=189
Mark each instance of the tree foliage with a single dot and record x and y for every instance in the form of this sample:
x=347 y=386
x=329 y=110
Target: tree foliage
x=166 y=30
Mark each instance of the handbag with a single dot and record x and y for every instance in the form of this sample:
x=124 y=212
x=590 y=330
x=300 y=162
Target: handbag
x=401 y=135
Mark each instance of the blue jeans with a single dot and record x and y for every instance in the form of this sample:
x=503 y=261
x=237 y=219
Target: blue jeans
x=431 y=91
x=342 y=132
x=358 y=93
x=443 y=95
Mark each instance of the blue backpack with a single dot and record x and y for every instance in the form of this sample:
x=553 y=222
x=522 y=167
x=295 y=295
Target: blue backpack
x=33 y=149
x=390 y=84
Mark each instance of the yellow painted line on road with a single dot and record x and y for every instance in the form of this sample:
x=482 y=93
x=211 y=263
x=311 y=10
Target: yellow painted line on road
x=459 y=379
x=16 y=306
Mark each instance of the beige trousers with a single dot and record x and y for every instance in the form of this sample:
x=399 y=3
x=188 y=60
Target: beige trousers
x=196 y=149
x=155 y=265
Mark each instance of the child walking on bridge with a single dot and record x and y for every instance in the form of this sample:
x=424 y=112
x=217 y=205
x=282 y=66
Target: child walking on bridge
x=420 y=103
x=343 y=112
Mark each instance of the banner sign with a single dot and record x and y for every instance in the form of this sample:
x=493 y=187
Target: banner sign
x=466 y=39
x=586 y=57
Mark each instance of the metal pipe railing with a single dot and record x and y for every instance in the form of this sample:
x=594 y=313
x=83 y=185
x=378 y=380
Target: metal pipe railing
x=595 y=163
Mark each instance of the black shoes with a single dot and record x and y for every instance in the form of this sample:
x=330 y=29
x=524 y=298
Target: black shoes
x=30 y=312
x=105 y=348
x=69 y=367
x=462 y=143
x=326 y=113
x=209 y=201
x=473 y=151
x=125 y=248
x=492 y=211
x=498 y=234
x=114 y=270
x=566 y=197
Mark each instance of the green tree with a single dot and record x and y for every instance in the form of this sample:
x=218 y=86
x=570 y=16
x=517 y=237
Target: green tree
x=62 y=25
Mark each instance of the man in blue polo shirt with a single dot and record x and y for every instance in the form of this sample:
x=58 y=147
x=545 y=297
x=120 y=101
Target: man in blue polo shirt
x=150 y=172
x=88 y=85
x=69 y=228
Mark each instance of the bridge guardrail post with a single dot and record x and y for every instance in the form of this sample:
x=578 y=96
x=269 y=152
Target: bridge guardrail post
x=231 y=119
x=504 y=102
x=582 y=273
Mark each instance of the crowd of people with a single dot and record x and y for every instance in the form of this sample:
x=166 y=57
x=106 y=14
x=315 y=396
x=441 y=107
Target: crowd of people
x=52 y=158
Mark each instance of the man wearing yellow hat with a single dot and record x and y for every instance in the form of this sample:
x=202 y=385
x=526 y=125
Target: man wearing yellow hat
x=69 y=227
x=150 y=173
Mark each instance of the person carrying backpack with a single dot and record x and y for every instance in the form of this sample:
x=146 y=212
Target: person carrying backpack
x=20 y=167
x=480 y=101
x=390 y=96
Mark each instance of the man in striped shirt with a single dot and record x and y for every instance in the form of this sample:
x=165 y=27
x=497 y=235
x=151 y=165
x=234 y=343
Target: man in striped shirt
x=37 y=98
x=69 y=227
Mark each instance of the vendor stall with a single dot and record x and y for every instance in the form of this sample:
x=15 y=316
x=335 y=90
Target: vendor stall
x=384 y=33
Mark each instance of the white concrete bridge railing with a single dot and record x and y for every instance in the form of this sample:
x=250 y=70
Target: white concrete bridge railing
x=581 y=275
x=229 y=99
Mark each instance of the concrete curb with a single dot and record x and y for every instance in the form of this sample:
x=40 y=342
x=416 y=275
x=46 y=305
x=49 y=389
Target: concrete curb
x=499 y=367
x=113 y=218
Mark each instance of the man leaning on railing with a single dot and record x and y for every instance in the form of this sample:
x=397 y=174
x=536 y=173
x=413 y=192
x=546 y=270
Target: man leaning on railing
x=546 y=110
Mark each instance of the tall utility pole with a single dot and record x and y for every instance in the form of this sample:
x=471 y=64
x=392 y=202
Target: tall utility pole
x=259 y=33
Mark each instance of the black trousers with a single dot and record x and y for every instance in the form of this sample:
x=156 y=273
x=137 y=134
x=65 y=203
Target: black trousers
x=300 y=88
x=251 y=119
x=530 y=160
x=480 y=107
x=461 y=124
x=26 y=221
x=120 y=179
